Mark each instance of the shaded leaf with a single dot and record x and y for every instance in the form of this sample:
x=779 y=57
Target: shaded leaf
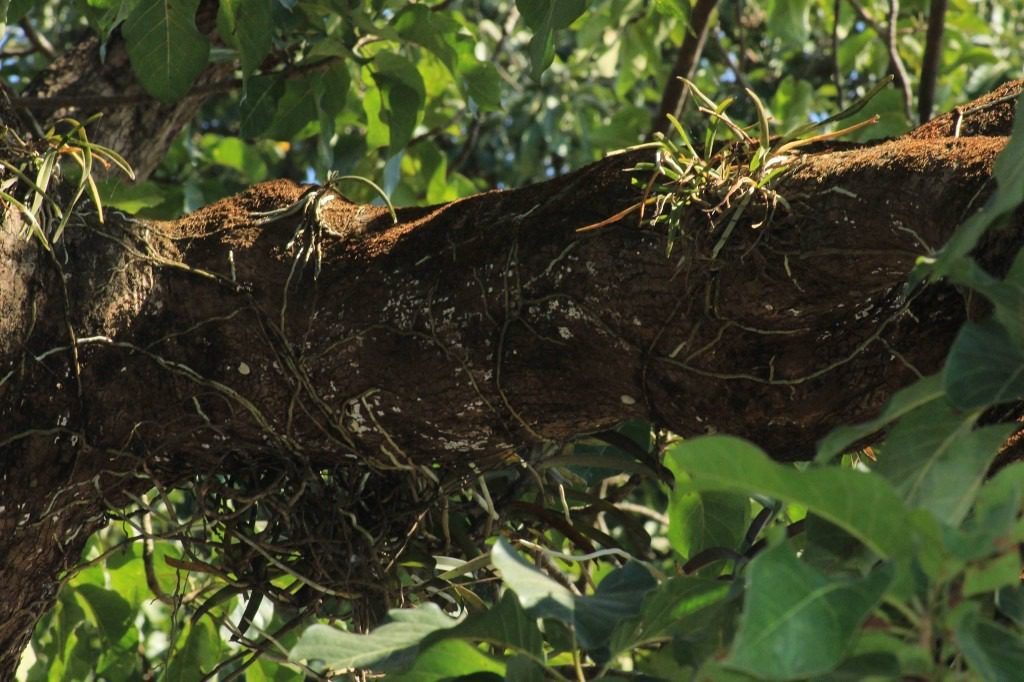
x=666 y=608
x=1008 y=171
x=789 y=21
x=699 y=520
x=902 y=402
x=797 y=621
x=937 y=460
x=260 y=96
x=993 y=652
x=594 y=617
x=201 y=651
x=402 y=95
x=247 y=26
x=544 y=17
x=166 y=50
x=505 y=625
x=863 y=504
x=985 y=367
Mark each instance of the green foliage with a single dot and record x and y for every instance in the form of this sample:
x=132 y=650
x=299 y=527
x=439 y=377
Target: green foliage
x=728 y=567
x=166 y=49
x=544 y=18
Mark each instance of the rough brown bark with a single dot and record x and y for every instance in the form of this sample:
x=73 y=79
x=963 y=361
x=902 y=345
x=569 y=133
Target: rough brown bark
x=462 y=333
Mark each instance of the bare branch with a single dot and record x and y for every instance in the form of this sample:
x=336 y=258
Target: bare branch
x=931 y=59
x=674 y=96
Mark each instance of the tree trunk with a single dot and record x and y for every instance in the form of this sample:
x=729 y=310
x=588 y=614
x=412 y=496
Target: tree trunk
x=438 y=346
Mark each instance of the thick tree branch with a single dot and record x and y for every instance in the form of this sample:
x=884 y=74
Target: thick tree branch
x=466 y=332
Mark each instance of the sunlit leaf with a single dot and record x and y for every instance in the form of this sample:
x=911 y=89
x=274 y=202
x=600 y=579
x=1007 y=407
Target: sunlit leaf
x=389 y=646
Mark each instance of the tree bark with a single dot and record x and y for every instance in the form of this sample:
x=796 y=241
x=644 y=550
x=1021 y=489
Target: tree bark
x=439 y=345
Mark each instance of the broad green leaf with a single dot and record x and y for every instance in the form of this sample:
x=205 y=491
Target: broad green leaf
x=863 y=504
x=672 y=604
x=1010 y=602
x=336 y=83
x=914 y=659
x=260 y=95
x=12 y=11
x=937 y=460
x=544 y=17
x=536 y=591
x=1006 y=295
x=389 y=646
x=166 y=50
x=247 y=26
x=103 y=15
x=505 y=625
x=789 y=21
x=699 y=520
x=793 y=102
x=902 y=402
x=990 y=576
x=479 y=80
x=797 y=621
x=594 y=617
x=985 y=367
x=402 y=93
x=993 y=652
x=830 y=548
x=200 y=653
x=234 y=153
x=130 y=197
x=107 y=610
x=448 y=659
x=993 y=525
x=1008 y=171
x=296 y=113
x=524 y=669
x=435 y=31
x=618 y=596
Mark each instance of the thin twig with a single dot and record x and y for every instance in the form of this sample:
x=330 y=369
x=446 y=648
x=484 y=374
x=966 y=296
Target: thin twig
x=888 y=34
x=674 y=96
x=837 y=76
x=37 y=39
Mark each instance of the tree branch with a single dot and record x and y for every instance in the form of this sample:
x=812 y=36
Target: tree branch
x=931 y=59
x=673 y=97
x=889 y=35
x=330 y=337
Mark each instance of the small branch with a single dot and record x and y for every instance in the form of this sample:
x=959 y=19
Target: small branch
x=198 y=92
x=37 y=39
x=837 y=76
x=674 y=96
x=896 y=65
x=888 y=34
x=930 y=60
